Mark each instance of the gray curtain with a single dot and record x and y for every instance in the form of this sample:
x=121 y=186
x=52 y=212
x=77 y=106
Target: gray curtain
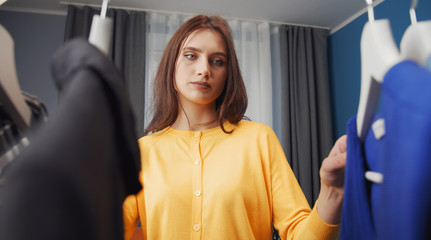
x=127 y=52
x=304 y=104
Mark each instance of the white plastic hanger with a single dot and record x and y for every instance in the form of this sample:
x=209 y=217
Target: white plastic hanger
x=11 y=96
x=416 y=41
x=101 y=30
x=378 y=54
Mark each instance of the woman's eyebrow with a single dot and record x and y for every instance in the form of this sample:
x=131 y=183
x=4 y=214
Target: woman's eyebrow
x=192 y=48
x=199 y=51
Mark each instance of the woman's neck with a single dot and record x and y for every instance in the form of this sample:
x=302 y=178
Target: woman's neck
x=196 y=118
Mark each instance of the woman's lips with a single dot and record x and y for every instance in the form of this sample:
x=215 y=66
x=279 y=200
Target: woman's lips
x=201 y=85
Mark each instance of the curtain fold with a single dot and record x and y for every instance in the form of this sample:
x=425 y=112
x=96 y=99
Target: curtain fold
x=304 y=122
x=160 y=28
x=252 y=45
x=127 y=51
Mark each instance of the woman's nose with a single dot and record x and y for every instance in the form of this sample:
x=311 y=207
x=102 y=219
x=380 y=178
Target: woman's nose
x=204 y=69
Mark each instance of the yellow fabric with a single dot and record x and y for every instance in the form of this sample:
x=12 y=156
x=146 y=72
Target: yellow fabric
x=213 y=185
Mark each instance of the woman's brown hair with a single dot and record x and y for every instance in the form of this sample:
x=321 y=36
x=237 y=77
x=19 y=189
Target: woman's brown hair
x=232 y=102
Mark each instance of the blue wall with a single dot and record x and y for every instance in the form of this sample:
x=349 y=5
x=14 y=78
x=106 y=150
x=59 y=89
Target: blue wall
x=345 y=58
x=36 y=37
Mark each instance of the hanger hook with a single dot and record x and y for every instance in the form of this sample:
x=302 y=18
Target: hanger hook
x=370 y=10
x=104 y=8
x=413 y=18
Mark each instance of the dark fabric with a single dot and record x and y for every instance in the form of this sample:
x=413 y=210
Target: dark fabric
x=10 y=148
x=78 y=22
x=13 y=141
x=306 y=130
x=39 y=113
x=127 y=52
x=71 y=181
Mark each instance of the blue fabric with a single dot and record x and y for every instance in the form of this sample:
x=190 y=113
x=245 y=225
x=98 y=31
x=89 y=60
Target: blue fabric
x=374 y=158
x=400 y=207
x=404 y=209
x=356 y=220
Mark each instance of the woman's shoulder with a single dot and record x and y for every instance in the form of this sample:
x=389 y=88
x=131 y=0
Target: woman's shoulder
x=249 y=131
x=152 y=138
x=254 y=127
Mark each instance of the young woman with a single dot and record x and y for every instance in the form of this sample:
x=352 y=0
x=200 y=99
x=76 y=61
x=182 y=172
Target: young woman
x=209 y=174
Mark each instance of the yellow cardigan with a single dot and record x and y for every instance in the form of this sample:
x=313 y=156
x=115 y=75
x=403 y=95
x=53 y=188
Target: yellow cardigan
x=213 y=185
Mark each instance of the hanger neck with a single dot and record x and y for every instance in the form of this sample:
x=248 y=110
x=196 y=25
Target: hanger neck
x=378 y=54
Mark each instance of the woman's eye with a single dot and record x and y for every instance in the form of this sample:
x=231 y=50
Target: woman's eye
x=217 y=62
x=190 y=56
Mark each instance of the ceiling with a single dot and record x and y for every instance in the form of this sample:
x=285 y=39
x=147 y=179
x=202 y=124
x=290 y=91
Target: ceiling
x=322 y=13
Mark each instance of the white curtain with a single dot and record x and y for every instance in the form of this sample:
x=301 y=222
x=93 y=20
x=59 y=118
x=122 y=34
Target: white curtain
x=160 y=28
x=253 y=47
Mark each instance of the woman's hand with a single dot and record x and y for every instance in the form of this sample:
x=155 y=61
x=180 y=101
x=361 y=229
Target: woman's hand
x=332 y=183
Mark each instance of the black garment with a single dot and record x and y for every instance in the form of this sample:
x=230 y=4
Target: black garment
x=39 y=114
x=71 y=181
x=13 y=140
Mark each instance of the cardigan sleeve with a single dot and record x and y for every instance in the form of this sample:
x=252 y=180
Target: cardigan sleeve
x=130 y=216
x=292 y=216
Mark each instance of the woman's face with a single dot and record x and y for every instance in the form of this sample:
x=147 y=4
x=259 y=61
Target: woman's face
x=201 y=68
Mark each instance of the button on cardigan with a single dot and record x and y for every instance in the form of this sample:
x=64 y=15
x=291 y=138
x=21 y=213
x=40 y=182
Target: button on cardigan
x=213 y=185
